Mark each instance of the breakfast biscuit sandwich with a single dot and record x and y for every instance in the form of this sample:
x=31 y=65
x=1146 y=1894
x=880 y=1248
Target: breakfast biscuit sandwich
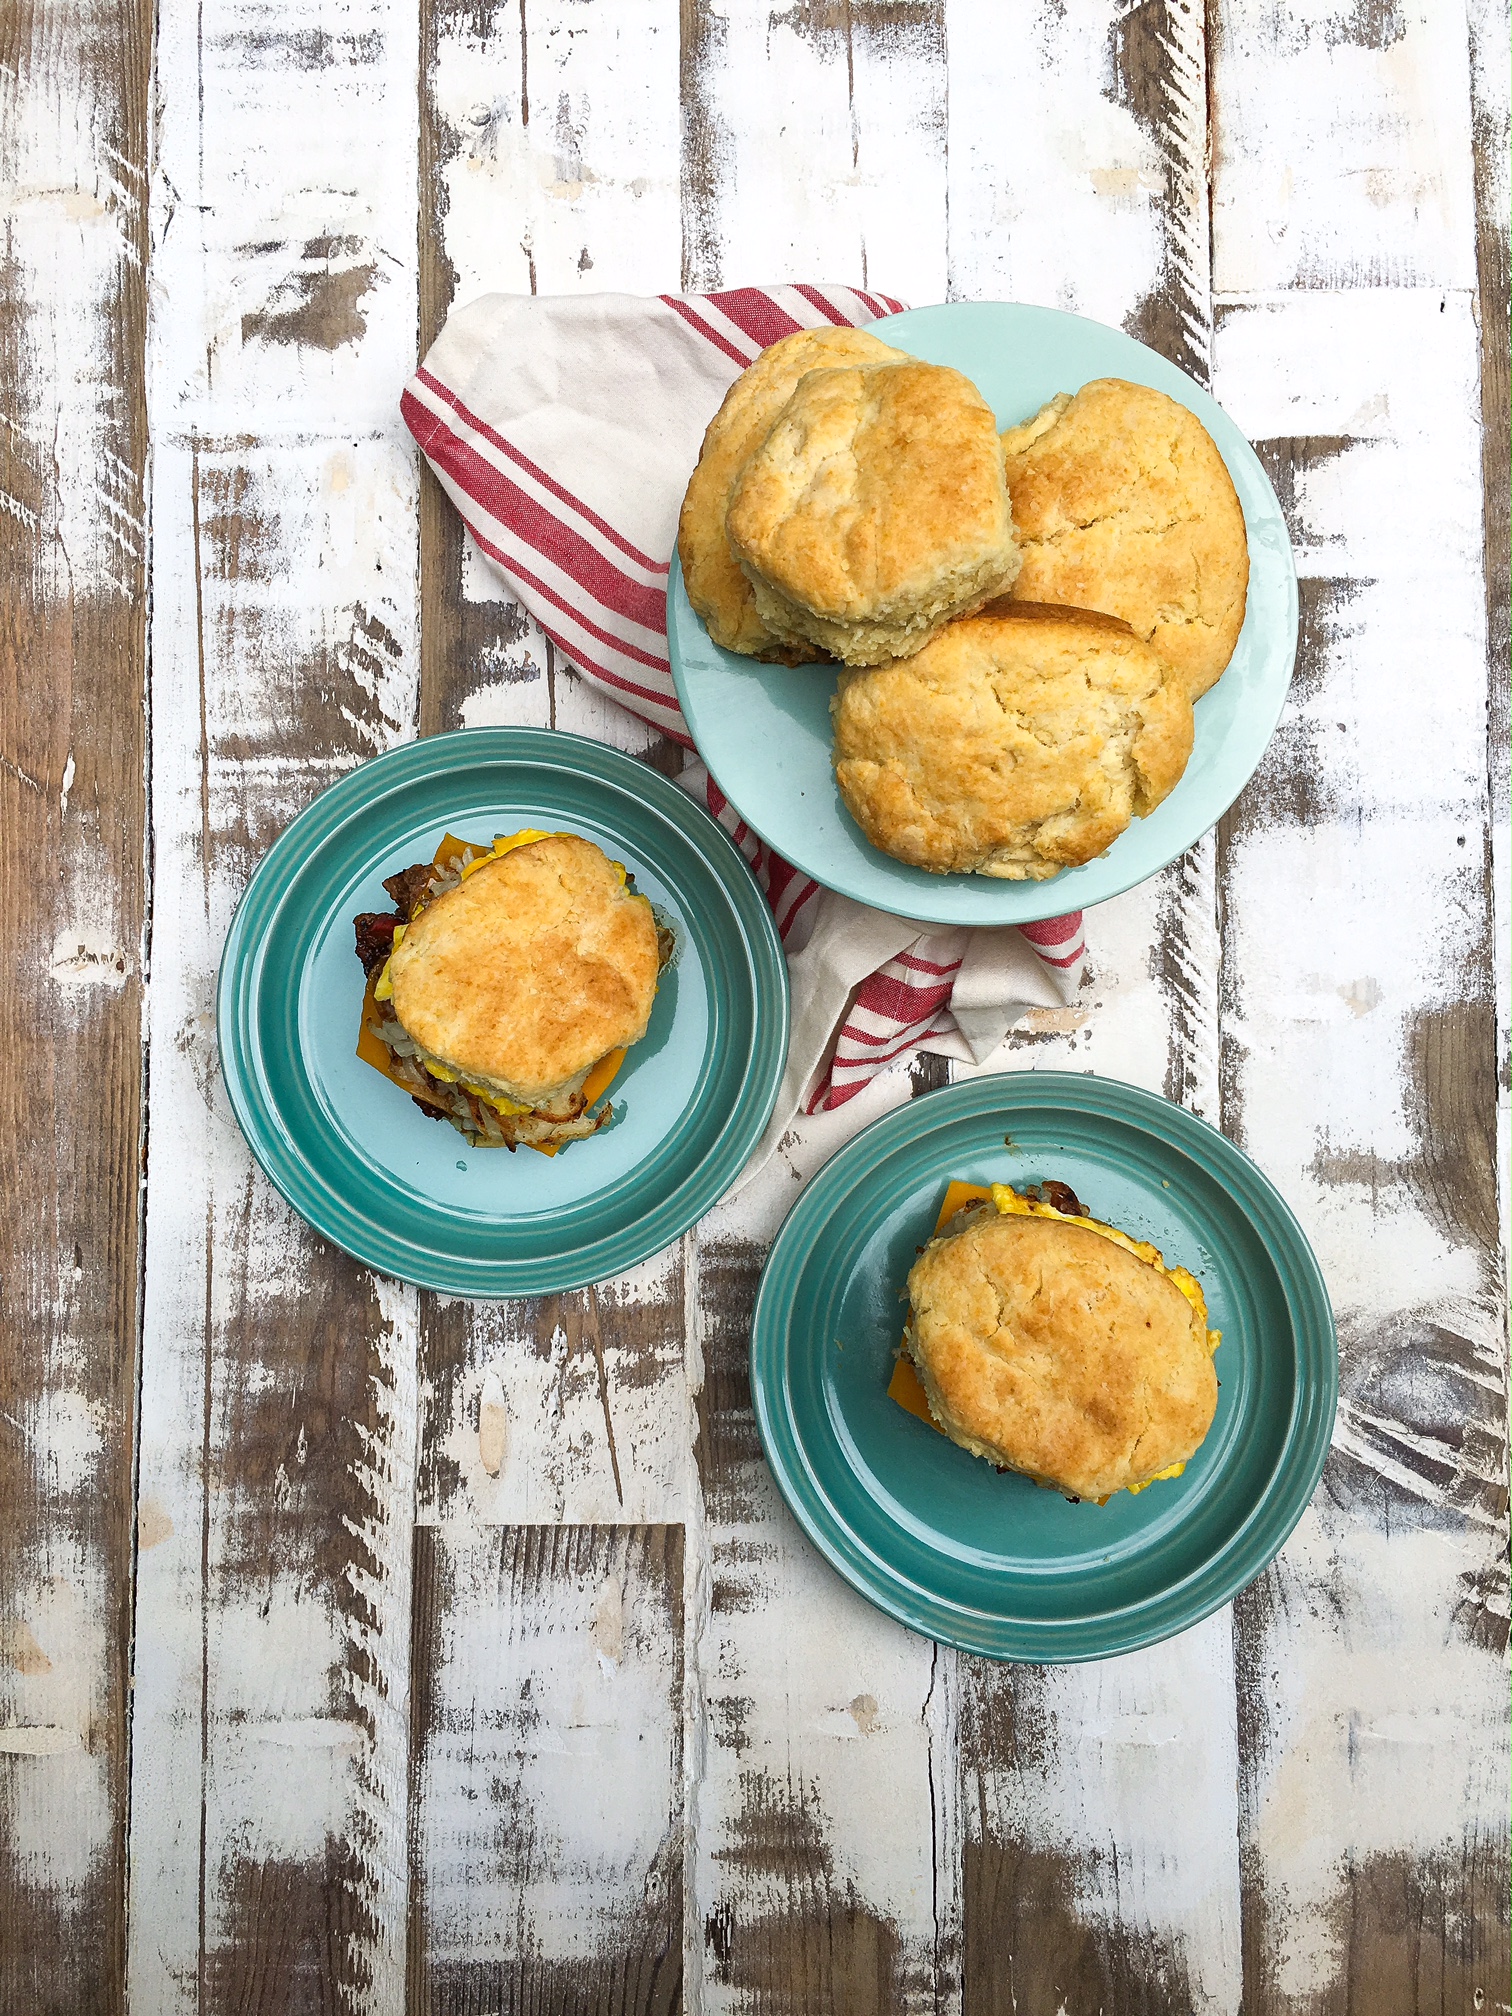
x=1122 y=502
x=1018 y=742
x=717 y=589
x=874 y=511
x=1057 y=1346
x=506 y=988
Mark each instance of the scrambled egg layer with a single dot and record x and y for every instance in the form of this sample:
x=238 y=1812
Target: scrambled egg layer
x=906 y=1387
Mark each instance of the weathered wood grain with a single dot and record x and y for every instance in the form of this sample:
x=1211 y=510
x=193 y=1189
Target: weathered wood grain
x=1489 y=122
x=278 y=1378
x=590 y=1389
x=813 y=148
x=537 y=1417
x=1490 y=81
x=548 y=1770
x=1094 y=199
x=816 y=1881
x=814 y=144
x=1075 y=1891
x=1383 y=855
x=73 y=452
x=1341 y=146
x=552 y=1880
x=653 y=1752
x=548 y=164
x=1100 y=1871
x=278 y=1397
x=1490 y=71
x=1371 y=1684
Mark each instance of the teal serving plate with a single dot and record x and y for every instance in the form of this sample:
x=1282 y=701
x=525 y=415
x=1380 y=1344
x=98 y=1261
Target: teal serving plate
x=937 y=1538
x=764 y=730
x=409 y=1195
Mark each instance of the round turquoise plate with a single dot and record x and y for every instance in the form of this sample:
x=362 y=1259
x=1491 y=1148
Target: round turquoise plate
x=764 y=730
x=408 y=1194
x=937 y=1538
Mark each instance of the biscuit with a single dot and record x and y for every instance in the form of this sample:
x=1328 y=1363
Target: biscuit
x=523 y=976
x=717 y=589
x=1049 y=1349
x=1122 y=502
x=1018 y=742
x=874 y=511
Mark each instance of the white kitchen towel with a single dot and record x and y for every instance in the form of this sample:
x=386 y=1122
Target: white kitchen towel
x=564 y=428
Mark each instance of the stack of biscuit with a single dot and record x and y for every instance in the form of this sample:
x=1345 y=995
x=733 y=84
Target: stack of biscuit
x=1023 y=622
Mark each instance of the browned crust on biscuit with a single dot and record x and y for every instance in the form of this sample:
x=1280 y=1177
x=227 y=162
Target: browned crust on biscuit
x=1012 y=610
x=1122 y=503
x=530 y=971
x=874 y=511
x=1048 y=1349
x=717 y=589
x=1018 y=742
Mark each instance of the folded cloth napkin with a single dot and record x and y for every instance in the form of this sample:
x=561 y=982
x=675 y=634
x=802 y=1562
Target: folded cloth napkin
x=564 y=429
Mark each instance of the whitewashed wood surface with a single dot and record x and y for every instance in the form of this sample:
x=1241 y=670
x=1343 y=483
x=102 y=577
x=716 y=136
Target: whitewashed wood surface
x=362 y=1650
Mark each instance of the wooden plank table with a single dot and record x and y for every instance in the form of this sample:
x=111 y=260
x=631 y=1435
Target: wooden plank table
x=306 y=1707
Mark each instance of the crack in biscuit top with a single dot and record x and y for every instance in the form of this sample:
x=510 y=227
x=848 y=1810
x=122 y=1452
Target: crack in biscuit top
x=1123 y=503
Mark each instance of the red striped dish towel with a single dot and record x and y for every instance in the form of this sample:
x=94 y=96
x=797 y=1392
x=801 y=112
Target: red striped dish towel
x=564 y=429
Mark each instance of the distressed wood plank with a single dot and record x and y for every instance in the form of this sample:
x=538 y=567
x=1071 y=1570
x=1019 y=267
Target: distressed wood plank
x=564 y=1373
x=283 y=215
x=1490 y=68
x=838 y=173
x=1387 y=1909
x=554 y=118
x=816 y=1888
x=1075 y=1892
x=1489 y=122
x=1096 y=199
x=504 y=650
x=1490 y=49
x=1079 y=1892
x=807 y=1889
x=278 y=1378
x=1341 y=145
x=549 y=163
x=548 y=1809
x=74 y=83
x=278 y=1402
x=1356 y=962
x=563 y=123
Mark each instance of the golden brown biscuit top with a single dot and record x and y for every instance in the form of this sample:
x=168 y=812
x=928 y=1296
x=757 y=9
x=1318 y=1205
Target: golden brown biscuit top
x=1048 y=1348
x=527 y=973
x=1018 y=741
x=871 y=486
x=717 y=589
x=1122 y=502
